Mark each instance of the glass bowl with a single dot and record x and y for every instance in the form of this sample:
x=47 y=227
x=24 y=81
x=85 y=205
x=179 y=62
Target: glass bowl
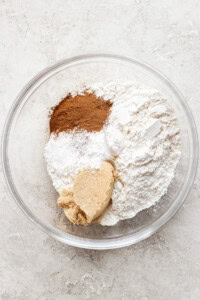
x=26 y=132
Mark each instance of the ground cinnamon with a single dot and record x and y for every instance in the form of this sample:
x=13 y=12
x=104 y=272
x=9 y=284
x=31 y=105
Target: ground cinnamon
x=80 y=112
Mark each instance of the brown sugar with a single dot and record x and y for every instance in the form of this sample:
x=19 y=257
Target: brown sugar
x=90 y=196
x=80 y=112
x=71 y=209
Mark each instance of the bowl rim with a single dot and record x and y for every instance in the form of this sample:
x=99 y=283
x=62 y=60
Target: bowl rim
x=67 y=238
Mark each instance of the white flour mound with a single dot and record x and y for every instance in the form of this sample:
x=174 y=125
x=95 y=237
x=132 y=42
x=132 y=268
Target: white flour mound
x=143 y=133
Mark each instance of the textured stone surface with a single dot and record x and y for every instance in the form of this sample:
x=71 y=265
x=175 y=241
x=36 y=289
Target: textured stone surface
x=34 y=34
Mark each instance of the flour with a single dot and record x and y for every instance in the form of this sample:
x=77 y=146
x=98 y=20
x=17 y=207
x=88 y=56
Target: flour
x=142 y=132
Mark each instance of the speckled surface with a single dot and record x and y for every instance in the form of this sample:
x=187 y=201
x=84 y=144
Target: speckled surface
x=35 y=34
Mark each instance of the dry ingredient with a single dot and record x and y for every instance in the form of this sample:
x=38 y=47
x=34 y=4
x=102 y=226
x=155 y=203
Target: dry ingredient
x=71 y=209
x=84 y=111
x=141 y=132
x=90 y=195
x=68 y=152
x=146 y=138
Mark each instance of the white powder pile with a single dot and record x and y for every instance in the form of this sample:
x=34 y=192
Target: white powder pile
x=67 y=153
x=142 y=131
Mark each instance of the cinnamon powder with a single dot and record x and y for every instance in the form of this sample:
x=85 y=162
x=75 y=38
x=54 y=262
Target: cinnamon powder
x=80 y=112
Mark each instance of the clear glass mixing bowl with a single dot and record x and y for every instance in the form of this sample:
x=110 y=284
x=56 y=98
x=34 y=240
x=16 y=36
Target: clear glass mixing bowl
x=26 y=132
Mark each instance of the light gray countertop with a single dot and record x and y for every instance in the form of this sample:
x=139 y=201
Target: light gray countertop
x=35 y=34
